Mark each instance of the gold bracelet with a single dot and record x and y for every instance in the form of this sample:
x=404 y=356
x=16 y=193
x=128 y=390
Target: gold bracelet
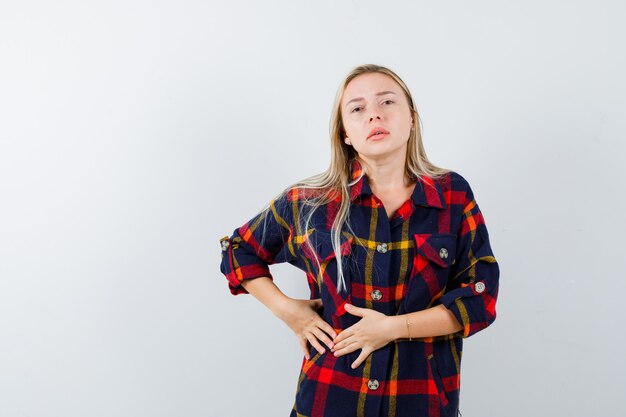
x=407 y=327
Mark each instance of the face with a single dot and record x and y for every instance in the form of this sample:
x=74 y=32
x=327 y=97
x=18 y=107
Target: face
x=371 y=102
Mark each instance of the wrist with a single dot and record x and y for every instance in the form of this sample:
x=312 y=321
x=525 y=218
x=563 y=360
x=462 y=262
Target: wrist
x=279 y=306
x=398 y=327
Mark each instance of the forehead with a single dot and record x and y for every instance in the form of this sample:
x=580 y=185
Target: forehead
x=366 y=85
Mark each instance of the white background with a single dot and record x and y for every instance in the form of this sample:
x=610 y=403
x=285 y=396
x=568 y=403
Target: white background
x=135 y=134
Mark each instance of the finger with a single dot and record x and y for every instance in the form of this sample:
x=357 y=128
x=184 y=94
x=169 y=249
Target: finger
x=323 y=337
x=360 y=359
x=347 y=349
x=328 y=329
x=355 y=311
x=345 y=341
x=343 y=335
x=316 y=344
x=305 y=348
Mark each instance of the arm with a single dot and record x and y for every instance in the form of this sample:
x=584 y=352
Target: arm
x=264 y=240
x=264 y=290
x=300 y=315
x=472 y=288
x=434 y=321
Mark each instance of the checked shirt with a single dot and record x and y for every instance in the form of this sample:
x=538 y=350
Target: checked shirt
x=434 y=250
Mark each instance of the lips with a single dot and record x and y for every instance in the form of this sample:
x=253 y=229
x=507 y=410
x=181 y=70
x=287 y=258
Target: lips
x=377 y=130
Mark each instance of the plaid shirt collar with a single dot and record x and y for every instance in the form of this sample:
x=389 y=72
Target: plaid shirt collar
x=423 y=195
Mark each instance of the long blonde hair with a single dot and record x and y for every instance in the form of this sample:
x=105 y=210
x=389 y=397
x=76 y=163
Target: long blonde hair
x=327 y=185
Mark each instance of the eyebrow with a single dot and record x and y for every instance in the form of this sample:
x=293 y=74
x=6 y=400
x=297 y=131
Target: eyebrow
x=382 y=93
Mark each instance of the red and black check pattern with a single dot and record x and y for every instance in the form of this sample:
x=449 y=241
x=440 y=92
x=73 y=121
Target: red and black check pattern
x=434 y=250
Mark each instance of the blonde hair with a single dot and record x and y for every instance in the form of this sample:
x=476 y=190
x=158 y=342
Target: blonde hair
x=327 y=185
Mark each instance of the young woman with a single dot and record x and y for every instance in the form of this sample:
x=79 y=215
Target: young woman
x=396 y=255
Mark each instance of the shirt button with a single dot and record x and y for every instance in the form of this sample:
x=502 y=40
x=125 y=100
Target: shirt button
x=224 y=244
x=376 y=294
x=443 y=253
x=479 y=287
x=372 y=384
x=382 y=247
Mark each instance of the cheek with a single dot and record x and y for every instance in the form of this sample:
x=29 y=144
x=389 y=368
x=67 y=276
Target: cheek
x=351 y=128
x=405 y=127
x=403 y=124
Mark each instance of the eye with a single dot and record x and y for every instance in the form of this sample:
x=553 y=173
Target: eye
x=391 y=101
x=354 y=109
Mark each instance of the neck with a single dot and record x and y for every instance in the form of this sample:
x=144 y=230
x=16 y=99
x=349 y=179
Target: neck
x=386 y=174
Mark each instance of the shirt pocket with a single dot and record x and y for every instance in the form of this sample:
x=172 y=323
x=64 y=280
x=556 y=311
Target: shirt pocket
x=433 y=258
x=435 y=375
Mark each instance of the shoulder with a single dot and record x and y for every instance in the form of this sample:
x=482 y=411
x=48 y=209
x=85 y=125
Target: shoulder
x=453 y=181
x=457 y=190
x=292 y=201
x=301 y=194
x=458 y=180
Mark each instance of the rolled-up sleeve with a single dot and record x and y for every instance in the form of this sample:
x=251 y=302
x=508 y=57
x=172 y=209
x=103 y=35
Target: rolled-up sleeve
x=472 y=289
x=264 y=240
